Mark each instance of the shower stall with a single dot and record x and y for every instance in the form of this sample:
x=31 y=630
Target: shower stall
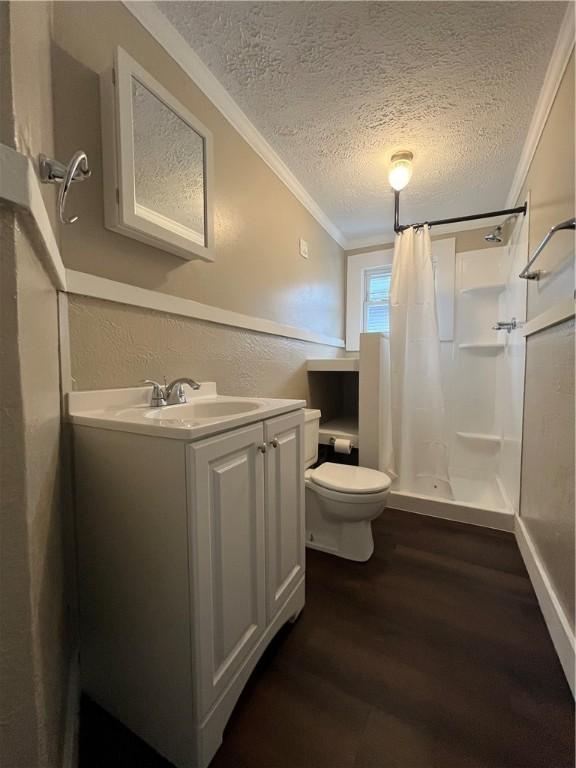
x=482 y=368
x=483 y=383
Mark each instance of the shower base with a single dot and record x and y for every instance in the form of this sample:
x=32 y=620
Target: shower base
x=476 y=502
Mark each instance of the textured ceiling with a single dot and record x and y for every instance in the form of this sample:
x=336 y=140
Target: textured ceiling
x=336 y=87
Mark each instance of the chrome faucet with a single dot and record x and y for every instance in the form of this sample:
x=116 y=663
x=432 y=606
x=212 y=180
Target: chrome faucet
x=507 y=326
x=169 y=394
x=158 y=398
x=175 y=393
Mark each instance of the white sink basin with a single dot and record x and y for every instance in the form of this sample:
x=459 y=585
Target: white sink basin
x=205 y=413
x=219 y=408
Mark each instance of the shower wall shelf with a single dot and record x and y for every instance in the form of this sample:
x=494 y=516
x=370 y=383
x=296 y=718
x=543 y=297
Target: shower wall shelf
x=496 y=346
x=480 y=437
x=486 y=288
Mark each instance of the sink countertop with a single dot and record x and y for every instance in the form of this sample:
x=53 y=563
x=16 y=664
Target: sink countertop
x=129 y=410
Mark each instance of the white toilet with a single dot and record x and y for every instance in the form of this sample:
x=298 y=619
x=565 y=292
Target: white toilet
x=341 y=501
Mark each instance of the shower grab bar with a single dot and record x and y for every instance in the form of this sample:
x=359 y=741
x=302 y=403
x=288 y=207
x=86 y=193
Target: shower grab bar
x=527 y=273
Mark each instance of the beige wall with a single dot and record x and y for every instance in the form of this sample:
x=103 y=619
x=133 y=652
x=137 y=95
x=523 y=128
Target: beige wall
x=36 y=630
x=18 y=715
x=547 y=501
x=258 y=222
x=35 y=644
x=547 y=492
x=31 y=25
x=550 y=183
x=6 y=111
x=116 y=345
x=40 y=383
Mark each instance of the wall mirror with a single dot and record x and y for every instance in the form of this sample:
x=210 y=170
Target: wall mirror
x=157 y=164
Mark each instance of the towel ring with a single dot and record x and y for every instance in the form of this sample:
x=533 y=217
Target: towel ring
x=54 y=172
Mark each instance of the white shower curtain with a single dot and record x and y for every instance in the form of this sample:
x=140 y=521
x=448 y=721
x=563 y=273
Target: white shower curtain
x=419 y=454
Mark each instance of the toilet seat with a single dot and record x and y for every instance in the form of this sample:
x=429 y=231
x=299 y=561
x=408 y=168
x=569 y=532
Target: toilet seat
x=359 y=499
x=348 y=479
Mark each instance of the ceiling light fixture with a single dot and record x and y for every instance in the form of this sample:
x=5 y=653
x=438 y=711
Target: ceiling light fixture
x=400 y=169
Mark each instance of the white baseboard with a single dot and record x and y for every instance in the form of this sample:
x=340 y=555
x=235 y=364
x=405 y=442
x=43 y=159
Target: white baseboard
x=70 y=748
x=556 y=620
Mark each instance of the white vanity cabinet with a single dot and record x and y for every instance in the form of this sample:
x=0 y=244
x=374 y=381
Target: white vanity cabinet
x=191 y=557
x=228 y=541
x=285 y=521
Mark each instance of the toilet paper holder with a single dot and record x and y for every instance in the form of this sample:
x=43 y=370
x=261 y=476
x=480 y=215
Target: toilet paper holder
x=341 y=445
x=329 y=433
x=333 y=439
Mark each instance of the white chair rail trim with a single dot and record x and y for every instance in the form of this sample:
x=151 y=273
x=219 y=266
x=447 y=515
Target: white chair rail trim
x=558 y=313
x=83 y=284
x=20 y=187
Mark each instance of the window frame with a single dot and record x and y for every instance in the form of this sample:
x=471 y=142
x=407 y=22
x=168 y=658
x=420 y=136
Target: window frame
x=443 y=253
x=367 y=274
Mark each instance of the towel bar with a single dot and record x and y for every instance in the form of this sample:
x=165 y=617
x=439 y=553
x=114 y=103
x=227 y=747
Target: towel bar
x=527 y=273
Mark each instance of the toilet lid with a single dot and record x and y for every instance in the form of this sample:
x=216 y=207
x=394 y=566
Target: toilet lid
x=349 y=479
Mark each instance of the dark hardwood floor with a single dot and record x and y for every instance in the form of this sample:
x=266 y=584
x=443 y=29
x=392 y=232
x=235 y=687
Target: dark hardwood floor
x=433 y=654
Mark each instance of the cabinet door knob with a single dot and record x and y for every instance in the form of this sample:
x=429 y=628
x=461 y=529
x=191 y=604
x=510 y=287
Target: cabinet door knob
x=274 y=443
x=262 y=447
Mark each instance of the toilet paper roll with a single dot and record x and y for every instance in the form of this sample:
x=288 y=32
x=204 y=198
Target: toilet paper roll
x=342 y=446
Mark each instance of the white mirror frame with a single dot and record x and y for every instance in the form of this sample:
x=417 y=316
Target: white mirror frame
x=120 y=206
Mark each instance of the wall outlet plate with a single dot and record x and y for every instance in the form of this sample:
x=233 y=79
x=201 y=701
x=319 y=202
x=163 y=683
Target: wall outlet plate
x=303 y=248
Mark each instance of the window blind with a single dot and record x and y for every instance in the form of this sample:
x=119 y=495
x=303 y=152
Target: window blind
x=377 y=299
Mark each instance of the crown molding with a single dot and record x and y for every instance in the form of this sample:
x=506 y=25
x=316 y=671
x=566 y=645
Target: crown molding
x=556 y=68
x=178 y=49
x=183 y=54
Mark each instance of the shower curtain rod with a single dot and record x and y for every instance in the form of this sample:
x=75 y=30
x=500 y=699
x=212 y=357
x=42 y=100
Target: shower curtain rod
x=401 y=227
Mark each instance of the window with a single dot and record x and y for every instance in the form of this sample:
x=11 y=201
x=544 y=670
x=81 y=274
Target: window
x=377 y=299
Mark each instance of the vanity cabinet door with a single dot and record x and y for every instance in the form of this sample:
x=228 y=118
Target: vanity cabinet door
x=285 y=521
x=227 y=555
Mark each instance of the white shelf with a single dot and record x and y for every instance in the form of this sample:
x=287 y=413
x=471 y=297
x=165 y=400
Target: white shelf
x=342 y=427
x=486 y=288
x=479 y=436
x=487 y=345
x=334 y=364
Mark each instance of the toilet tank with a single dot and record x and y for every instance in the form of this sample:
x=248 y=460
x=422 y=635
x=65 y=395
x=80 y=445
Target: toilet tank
x=311 y=426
